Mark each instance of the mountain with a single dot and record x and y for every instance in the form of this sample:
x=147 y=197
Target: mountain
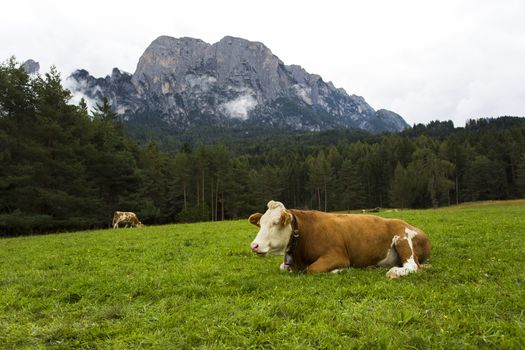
x=31 y=66
x=186 y=83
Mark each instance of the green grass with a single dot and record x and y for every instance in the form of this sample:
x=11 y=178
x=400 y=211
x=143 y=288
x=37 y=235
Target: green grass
x=198 y=286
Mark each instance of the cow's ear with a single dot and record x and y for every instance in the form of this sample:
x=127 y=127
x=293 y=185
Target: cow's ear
x=286 y=217
x=255 y=219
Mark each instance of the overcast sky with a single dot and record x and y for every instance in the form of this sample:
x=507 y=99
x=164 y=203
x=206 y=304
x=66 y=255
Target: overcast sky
x=426 y=60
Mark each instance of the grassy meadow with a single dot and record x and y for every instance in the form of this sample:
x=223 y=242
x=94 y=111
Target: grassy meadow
x=199 y=286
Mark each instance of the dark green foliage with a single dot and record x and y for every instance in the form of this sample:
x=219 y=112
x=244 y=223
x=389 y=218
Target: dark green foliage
x=104 y=112
x=520 y=181
x=61 y=170
x=353 y=195
x=402 y=191
x=64 y=169
x=485 y=179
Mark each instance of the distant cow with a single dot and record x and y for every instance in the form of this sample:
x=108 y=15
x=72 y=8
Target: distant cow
x=126 y=217
x=320 y=242
x=374 y=210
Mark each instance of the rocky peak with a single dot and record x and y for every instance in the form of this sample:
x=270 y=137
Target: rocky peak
x=116 y=74
x=249 y=65
x=186 y=82
x=167 y=57
x=31 y=66
x=80 y=74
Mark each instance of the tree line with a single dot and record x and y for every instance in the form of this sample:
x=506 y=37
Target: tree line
x=64 y=167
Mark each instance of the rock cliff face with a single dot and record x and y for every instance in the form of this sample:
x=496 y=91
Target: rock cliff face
x=186 y=83
x=31 y=66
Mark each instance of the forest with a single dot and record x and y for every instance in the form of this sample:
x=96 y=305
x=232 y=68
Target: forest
x=65 y=167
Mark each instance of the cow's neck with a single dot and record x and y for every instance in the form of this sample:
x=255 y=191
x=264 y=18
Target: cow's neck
x=290 y=256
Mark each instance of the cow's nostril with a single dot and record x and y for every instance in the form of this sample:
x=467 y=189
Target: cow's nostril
x=254 y=246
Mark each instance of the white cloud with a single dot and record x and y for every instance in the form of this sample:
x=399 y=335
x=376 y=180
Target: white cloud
x=77 y=91
x=239 y=107
x=422 y=59
x=203 y=82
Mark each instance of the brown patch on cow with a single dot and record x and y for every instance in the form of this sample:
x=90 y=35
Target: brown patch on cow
x=286 y=218
x=255 y=219
x=403 y=249
x=327 y=241
x=422 y=247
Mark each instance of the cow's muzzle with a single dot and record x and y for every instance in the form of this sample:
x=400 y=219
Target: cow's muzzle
x=255 y=249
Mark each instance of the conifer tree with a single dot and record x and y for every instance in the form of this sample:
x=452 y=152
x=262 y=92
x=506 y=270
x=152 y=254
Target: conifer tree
x=352 y=186
x=401 y=193
x=104 y=112
x=520 y=181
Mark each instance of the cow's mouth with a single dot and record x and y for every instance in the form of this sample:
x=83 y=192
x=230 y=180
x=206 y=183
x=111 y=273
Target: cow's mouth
x=261 y=253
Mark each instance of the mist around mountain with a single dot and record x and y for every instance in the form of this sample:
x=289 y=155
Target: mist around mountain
x=183 y=84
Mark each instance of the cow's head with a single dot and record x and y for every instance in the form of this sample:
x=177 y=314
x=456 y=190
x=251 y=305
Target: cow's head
x=274 y=230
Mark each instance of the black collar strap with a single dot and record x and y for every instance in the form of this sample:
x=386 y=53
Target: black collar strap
x=295 y=227
x=292 y=243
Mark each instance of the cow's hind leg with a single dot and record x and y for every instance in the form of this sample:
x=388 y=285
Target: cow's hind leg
x=405 y=250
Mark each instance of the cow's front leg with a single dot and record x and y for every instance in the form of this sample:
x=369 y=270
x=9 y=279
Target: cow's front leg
x=327 y=263
x=405 y=250
x=285 y=267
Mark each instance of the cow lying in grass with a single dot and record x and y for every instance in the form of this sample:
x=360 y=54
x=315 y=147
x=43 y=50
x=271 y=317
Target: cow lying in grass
x=320 y=242
x=128 y=218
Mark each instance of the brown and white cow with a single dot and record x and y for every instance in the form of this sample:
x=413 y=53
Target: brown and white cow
x=320 y=242
x=127 y=217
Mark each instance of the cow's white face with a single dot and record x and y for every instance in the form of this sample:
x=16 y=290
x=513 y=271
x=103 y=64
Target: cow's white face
x=275 y=230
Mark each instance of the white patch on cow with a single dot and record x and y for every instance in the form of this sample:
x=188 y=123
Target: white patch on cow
x=272 y=237
x=410 y=233
x=274 y=205
x=285 y=267
x=410 y=244
x=408 y=267
x=336 y=270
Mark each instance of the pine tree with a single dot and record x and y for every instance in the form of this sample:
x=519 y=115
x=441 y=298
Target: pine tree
x=402 y=191
x=104 y=111
x=520 y=180
x=352 y=187
x=46 y=147
x=432 y=173
x=485 y=179
x=320 y=175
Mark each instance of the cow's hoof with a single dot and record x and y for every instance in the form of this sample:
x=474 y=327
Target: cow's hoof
x=425 y=266
x=285 y=267
x=392 y=274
